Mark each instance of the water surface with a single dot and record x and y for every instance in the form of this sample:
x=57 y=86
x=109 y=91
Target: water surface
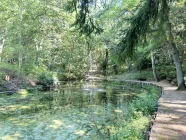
x=74 y=111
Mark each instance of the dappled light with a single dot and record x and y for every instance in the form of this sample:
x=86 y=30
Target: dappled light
x=92 y=69
x=23 y=93
x=7 y=138
x=69 y=114
x=171 y=120
x=57 y=124
x=80 y=132
x=118 y=111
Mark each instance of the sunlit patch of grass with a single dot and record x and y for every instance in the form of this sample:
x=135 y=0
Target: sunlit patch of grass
x=140 y=123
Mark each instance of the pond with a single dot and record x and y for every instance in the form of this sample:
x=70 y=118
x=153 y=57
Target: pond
x=80 y=111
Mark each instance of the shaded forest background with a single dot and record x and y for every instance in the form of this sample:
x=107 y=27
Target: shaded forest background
x=42 y=41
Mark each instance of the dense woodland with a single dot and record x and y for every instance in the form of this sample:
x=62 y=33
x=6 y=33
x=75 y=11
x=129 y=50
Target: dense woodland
x=71 y=39
x=52 y=50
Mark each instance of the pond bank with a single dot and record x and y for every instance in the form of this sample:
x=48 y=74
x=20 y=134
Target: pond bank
x=170 y=121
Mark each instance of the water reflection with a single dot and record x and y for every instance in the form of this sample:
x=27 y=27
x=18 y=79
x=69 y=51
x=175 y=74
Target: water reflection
x=75 y=111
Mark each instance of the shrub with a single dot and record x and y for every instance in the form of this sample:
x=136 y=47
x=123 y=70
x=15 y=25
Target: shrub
x=1 y=78
x=135 y=122
x=166 y=71
x=45 y=80
x=62 y=76
x=146 y=103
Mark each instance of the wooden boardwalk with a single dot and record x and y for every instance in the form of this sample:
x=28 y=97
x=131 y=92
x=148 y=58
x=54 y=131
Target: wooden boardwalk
x=170 y=122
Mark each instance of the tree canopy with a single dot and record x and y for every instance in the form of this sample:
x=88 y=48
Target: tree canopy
x=74 y=37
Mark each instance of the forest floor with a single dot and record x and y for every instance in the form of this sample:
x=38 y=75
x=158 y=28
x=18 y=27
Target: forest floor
x=170 y=122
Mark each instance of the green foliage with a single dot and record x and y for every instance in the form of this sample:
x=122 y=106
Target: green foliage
x=8 y=67
x=9 y=70
x=133 y=130
x=1 y=78
x=146 y=75
x=45 y=80
x=136 y=119
x=166 y=71
x=145 y=103
x=139 y=25
x=83 y=22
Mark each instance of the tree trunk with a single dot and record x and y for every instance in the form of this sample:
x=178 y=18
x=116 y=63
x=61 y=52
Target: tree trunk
x=182 y=56
x=184 y=62
x=179 y=69
x=115 y=68
x=105 y=65
x=175 y=52
x=20 y=44
x=2 y=44
x=89 y=56
x=129 y=67
x=154 y=67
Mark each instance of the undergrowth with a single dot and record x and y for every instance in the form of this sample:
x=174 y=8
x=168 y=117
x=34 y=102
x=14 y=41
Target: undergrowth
x=135 y=121
x=148 y=75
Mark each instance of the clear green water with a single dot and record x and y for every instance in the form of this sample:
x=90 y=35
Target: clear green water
x=73 y=112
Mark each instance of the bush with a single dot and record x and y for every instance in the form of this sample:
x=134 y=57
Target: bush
x=166 y=71
x=62 y=76
x=9 y=77
x=45 y=80
x=135 y=122
x=146 y=103
x=1 y=78
x=8 y=69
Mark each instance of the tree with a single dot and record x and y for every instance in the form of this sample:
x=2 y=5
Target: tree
x=139 y=27
x=151 y=12
x=170 y=38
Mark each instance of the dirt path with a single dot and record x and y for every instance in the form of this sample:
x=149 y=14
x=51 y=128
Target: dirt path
x=170 y=123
